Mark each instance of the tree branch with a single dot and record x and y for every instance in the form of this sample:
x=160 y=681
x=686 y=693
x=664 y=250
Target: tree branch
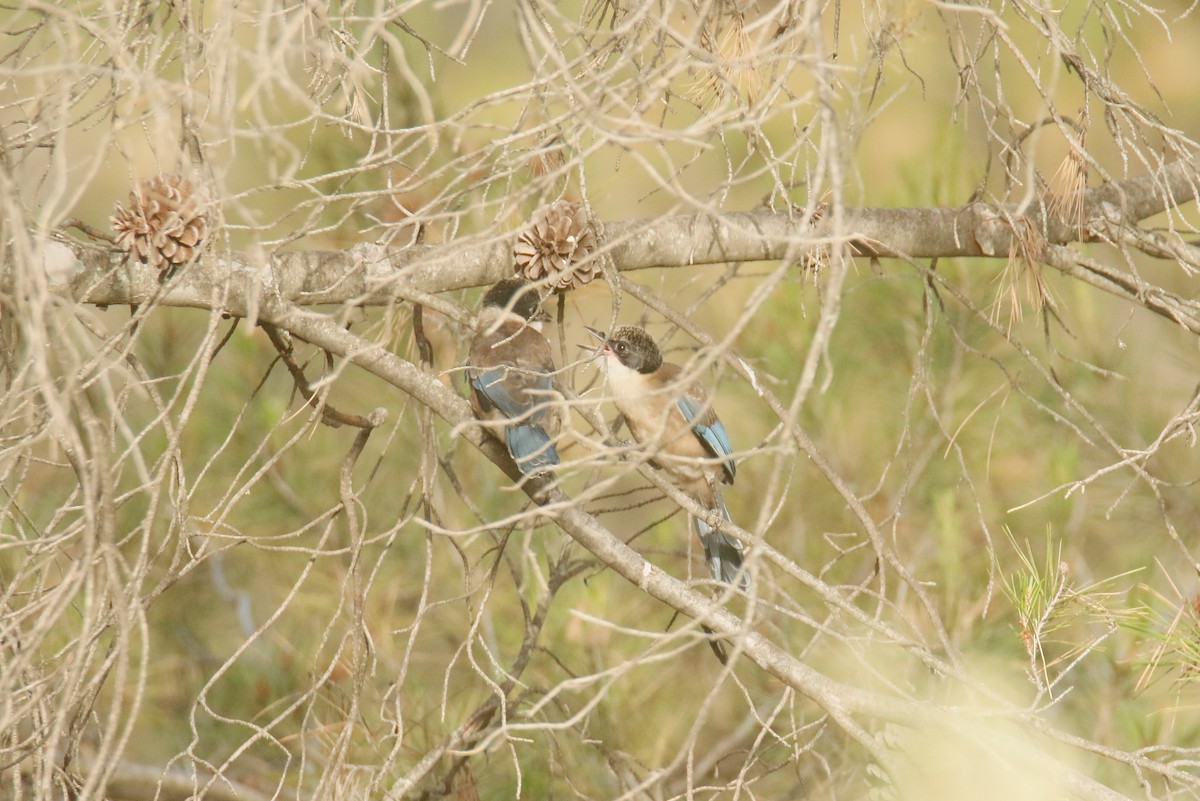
x=840 y=700
x=369 y=274
x=272 y=288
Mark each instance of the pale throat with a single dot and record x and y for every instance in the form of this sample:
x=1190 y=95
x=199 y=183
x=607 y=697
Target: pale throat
x=625 y=383
x=648 y=408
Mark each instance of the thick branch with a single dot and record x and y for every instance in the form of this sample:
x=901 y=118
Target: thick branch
x=426 y=389
x=370 y=274
x=842 y=701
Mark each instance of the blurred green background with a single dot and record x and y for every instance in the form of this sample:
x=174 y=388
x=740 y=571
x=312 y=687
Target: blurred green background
x=284 y=639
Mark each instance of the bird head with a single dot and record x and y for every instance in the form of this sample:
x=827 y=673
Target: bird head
x=515 y=295
x=630 y=346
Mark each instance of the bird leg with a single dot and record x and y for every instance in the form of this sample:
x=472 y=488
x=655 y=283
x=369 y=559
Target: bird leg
x=713 y=518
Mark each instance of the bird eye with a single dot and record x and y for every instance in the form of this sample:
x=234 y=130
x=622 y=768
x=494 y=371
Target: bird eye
x=621 y=347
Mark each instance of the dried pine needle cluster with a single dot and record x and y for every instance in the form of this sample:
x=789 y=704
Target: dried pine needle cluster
x=1067 y=189
x=556 y=246
x=165 y=223
x=1023 y=269
x=736 y=66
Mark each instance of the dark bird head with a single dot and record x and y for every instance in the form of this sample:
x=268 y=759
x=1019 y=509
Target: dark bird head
x=632 y=347
x=515 y=295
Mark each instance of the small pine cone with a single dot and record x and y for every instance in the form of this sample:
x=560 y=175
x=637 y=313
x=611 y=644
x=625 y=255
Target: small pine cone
x=165 y=223
x=556 y=245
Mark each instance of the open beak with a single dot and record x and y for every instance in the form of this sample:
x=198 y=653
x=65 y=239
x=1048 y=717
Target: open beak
x=598 y=335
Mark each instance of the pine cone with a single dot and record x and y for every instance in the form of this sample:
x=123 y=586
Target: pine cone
x=165 y=223
x=556 y=245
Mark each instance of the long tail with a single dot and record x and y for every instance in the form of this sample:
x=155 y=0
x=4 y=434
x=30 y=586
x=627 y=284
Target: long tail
x=530 y=447
x=723 y=553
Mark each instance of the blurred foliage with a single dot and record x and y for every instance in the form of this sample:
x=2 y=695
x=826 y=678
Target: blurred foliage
x=290 y=638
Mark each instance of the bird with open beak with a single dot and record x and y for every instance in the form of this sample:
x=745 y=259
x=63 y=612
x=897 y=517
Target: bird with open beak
x=673 y=417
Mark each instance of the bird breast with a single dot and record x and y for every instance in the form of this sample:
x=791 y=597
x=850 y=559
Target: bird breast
x=650 y=410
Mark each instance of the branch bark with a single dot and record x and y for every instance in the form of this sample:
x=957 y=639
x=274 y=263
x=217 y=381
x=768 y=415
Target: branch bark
x=843 y=702
x=272 y=288
x=368 y=274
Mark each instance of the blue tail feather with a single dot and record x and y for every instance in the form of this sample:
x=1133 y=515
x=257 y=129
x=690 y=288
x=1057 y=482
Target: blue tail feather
x=531 y=447
x=723 y=553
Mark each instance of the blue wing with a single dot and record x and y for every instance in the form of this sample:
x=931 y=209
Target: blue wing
x=514 y=394
x=711 y=432
x=519 y=396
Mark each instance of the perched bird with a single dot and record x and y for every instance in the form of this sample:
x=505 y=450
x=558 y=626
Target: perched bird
x=510 y=370
x=673 y=415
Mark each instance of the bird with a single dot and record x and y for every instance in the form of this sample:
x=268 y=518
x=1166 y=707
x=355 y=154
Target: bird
x=665 y=410
x=511 y=373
